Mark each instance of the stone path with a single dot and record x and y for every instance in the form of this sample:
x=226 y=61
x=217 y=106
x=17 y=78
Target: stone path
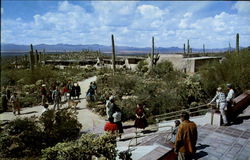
x=90 y=121
x=225 y=143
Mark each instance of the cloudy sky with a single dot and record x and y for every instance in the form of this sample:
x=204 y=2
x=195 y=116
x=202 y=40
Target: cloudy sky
x=133 y=23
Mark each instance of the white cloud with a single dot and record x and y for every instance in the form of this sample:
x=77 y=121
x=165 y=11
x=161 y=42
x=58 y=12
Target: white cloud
x=187 y=15
x=242 y=7
x=150 y=11
x=185 y=22
x=132 y=23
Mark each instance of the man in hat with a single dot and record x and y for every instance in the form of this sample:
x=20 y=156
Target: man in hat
x=221 y=100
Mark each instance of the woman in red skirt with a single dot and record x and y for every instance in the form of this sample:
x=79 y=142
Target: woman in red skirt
x=140 y=121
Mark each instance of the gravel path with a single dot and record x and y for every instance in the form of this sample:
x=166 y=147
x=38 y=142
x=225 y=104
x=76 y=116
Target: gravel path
x=90 y=121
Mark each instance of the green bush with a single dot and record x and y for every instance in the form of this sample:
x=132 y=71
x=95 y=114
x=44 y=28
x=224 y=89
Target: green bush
x=21 y=138
x=234 y=69
x=142 y=66
x=60 y=126
x=85 y=148
x=162 y=69
x=190 y=90
x=26 y=137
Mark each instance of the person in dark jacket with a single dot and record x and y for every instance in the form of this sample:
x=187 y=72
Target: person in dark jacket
x=78 y=91
x=90 y=94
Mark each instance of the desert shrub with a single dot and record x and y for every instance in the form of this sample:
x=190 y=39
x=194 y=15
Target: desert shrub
x=190 y=90
x=234 y=69
x=142 y=67
x=162 y=69
x=60 y=126
x=28 y=136
x=118 y=84
x=28 y=100
x=21 y=138
x=88 y=146
x=128 y=107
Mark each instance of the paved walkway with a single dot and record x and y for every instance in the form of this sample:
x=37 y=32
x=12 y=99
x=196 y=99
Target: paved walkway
x=225 y=142
x=90 y=121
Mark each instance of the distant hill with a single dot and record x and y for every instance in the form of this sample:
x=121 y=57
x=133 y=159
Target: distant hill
x=8 y=48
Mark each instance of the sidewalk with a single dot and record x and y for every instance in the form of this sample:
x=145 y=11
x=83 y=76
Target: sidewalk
x=90 y=121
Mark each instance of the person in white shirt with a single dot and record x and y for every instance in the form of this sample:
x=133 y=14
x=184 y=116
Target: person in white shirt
x=230 y=95
x=221 y=99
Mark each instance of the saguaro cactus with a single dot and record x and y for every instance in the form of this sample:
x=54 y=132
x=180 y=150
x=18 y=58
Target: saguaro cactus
x=44 y=55
x=153 y=53
x=238 y=43
x=229 y=49
x=35 y=57
x=153 y=57
x=204 y=51
x=184 y=48
x=188 y=47
x=113 y=52
x=40 y=57
x=31 y=58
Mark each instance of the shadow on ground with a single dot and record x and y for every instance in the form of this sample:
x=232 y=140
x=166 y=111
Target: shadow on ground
x=29 y=112
x=240 y=119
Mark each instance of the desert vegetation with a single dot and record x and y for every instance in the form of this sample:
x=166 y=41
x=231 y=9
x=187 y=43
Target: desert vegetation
x=160 y=87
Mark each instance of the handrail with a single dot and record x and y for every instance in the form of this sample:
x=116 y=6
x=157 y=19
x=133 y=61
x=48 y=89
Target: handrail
x=171 y=115
x=136 y=136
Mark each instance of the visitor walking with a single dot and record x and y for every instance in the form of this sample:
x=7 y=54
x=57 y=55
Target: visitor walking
x=73 y=91
x=56 y=98
x=221 y=99
x=43 y=94
x=78 y=91
x=15 y=104
x=186 y=138
x=140 y=117
x=117 y=115
x=4 y=101
x=110 y=126
x=90 y=94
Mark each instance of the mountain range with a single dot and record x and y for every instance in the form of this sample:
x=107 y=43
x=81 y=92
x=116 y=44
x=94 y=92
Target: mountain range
x=15 y=48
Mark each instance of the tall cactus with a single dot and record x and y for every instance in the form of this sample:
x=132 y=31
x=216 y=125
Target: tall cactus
x=204 y=51
x=188 y=47
x=35 y=57
x=31 y=58
x=238 y=43
x=40 y=57
x=153 y=53
x=229 y=49
x=184 y=48
x=113 y=52
x=44 y=55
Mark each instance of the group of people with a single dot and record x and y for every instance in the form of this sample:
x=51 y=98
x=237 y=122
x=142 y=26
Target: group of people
x=114 y=116
x=11 y=99
x=57 y=94
x=224 y=103
x=185 y=133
